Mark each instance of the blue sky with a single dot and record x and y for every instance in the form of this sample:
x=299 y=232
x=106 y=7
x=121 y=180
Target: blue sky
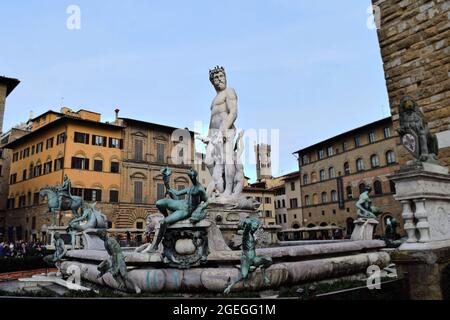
x=311 y=69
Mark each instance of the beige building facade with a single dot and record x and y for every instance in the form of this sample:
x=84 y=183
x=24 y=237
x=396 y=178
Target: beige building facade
x=334 y=172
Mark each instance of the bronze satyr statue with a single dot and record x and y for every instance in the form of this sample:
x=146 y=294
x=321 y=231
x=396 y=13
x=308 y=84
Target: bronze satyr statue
x=364 y=206
x=249 y=260
x=60 y=250
x=192 y=208
x=414 y=132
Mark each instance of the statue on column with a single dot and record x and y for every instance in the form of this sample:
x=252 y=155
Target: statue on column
x=414 y=132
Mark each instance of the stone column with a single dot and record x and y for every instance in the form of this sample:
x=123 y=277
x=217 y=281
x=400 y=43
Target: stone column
x=426 y=253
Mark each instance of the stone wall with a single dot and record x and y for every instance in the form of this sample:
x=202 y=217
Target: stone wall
x=414 y=37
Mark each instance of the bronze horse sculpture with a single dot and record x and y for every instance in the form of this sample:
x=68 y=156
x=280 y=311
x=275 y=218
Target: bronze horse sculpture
x=51 y=193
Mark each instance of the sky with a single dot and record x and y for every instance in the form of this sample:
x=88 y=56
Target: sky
x=305 y=70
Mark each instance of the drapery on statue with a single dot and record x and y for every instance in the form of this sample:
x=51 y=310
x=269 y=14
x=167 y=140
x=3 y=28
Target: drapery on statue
x=414 y=127
x=249 y=259
x=364 y=206
x=59 y=199
x=60 y=250
x=222 y=153
x=192 y=207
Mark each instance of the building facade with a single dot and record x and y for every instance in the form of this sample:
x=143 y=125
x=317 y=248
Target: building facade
x=266 y=198
x=414 y=42
x=115 y=165
x=335 y=171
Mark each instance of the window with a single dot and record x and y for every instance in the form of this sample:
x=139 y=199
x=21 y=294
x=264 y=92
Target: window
x=31 y=171
x=349 y=192
x=375 y=161
x=203 y=166
x=371 y=136
x=334 y=197
x=26 y=152
x=80 y=137
x=268 y=213
x=1 y=171
x=24 y=174
x=76 y=192
x=293 y=203
x=160 y=152
x=322 y=175
x=36 y=198
x=315 y=199
x=11 y=203
x=284 y=218
x=13 y=178
x=292 y=186
x=307 y=201
x=284 y=203
x=33 y=149
x=39 y=147
x=47 y=167
x=330 y=151
x=98 y=140
x=360 y=165
x=387 y=132
x=37 y=170
x=268 y=200
x=305 y=159
x=160 y=191
x=113 y=196
x=92 y=195
x=22 y=201
x=80 y=163
x=305 y=179
x=324 y=197
x=49 y=143
x=15 y=156
x=98 y=165
x=138 y=150
x=321 y=154
x=390 y=157
x=115 y=143
x=114 y=167
x=362 y=188
x=357 y=141
x=313 y=177
x=138 y=192
x=331 y=173
x=377 y=187
x=347 y=168
x=61 y=138
x=345 y=146
x=59 y=163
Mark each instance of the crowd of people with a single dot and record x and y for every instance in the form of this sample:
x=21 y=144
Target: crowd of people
x=21 y=249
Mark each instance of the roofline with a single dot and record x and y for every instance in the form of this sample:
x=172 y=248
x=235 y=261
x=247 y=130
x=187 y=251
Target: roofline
x=52 y=124
x=11 y=84
x=45 y=113
x=146 y=123
x=336 y=137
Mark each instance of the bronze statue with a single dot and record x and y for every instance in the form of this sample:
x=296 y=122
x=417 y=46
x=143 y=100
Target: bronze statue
x=364 y=205
x=249 y=259
x=60 y=250
x=414 y=132
x=94 y=220
x=193 y=207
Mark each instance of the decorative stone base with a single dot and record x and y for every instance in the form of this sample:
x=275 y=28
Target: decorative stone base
x=364 y=229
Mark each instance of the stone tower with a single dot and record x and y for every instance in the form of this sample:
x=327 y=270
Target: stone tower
x=7 y=85
x=263 y=162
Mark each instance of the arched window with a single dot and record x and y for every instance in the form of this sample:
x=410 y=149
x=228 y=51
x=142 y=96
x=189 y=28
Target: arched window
x=322 y=175
x=377 y=187
x=392 y=186
x=331 y=173
x=305 y=179
x=349 y=192
x=324 y=197
x=313 y=177
x=315 y=199
x=307 y=201
x=390 y=157
x=360 y=164
x=347 y=168
x=334 y=197
x=362 y=188
x=375 y=160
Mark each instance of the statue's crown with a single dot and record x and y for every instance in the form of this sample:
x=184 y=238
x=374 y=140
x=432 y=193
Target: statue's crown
x=216 y=70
